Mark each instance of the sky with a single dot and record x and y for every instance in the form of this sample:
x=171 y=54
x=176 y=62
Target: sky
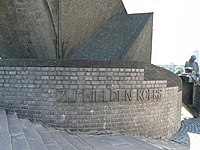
x=176 y=28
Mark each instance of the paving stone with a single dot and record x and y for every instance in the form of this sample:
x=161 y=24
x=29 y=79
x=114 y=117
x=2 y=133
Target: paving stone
x=167 y=144
x=34 y=140
x=140 y=143
x=113 y=142
x=191 y=125
x=19 y=141
x=123 y=142
x=95 y=141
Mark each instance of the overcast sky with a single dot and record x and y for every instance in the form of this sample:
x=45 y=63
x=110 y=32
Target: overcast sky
x=176 y=29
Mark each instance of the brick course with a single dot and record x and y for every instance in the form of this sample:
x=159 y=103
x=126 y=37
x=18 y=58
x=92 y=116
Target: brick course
x=105 y=99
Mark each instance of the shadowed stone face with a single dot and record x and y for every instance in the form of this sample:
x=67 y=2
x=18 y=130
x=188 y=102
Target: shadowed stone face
x=82 y=18
x=123 y=37
x=51 y=28
x=26 y=29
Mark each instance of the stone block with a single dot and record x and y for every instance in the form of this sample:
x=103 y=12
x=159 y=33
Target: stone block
x=26 y=42
x=106 y=44
x=89 y=17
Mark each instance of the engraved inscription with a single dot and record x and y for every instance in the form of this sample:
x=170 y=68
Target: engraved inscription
x=70 y=96
x=67 y=96
x=146 y=94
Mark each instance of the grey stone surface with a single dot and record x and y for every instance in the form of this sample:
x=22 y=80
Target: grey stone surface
x=34 y=140
x=152 y=72
x=118 y=40
x=27 y=29
x=46 y=137
x=80 y=19
x=119 y=142
x=79 y=141
x=4 y=125
x=60 y=139
x=166 y=144
x=51 y=28
x=19 y=141
x=5 y=142
x=5 y=138
x=47 y=95
x=76 y=141
x=113 y=141
x=141 y=49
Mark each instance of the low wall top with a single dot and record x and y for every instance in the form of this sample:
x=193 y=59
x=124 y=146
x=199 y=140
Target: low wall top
x=152 y=72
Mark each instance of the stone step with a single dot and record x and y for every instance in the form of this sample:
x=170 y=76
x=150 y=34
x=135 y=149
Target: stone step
x=50 y=143
x=4 y=122
x=76 y=141
x=34 y=140
x=21 y=134
x=5 y=138
x=19 y=141
x=5 y=142
x=62 y=141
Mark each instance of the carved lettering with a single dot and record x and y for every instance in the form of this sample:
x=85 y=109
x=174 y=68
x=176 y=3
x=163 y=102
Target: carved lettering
x=114 y=96
x=128 y=95
x=147 y=94
x=107 y=95
x=140 y=94
x=61 y=94
x=151 y=93
x=70 y=96
x=89 y=96
x=160 y=93
x=156 y=93
x=100 y=96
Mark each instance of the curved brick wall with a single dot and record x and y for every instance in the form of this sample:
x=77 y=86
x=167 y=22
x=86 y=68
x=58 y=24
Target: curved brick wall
x=82 y=98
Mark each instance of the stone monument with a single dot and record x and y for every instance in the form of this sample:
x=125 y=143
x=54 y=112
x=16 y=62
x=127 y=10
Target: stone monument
x=86 y=66
x=51 y=28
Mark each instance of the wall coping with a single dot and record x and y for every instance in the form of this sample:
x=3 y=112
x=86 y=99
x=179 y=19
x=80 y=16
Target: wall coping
x=152 y=72
x=69 y=63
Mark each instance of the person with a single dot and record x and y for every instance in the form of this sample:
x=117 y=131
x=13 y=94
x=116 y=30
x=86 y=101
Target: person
x=192 y=64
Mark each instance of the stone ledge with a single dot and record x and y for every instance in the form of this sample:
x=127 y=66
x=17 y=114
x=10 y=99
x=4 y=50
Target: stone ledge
x=152 y=72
